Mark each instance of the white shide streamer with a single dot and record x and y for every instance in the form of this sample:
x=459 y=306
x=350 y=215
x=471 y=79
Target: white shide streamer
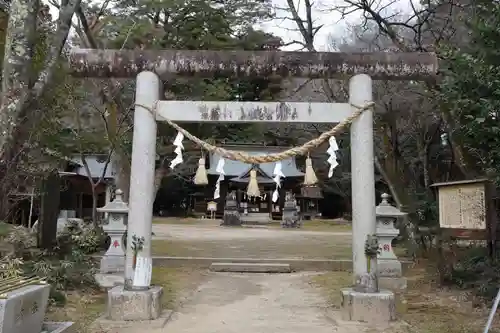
x=332 y=151
x=178 y=150
x=277 y=173
x=220 y=171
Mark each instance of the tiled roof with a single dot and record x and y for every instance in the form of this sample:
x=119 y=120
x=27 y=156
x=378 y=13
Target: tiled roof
x=96 y=167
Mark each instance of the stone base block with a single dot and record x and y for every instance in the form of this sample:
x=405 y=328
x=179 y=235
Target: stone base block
x=389 y=267
x=58 y=327
x=250 y=267
x=373 y=308
x=110 y=280
x=112 y=264
x=105 y=324
x=125 y=305
x=392 y=283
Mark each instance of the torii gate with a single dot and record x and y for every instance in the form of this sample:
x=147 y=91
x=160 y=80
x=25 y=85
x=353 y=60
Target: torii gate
x=153 y=66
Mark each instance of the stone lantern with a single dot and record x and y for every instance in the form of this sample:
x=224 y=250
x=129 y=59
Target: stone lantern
x=291 y=217
x=389 y=267
x=113 y=260
x=231 y=211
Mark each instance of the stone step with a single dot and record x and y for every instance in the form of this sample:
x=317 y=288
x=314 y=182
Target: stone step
x=245 y=267
x=256 y=218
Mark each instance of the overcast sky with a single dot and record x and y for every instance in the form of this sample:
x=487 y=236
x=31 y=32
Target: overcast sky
x=332 y=23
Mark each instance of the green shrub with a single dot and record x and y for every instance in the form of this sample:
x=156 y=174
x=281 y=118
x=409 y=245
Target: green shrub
x=477 y=272
x=67 y=267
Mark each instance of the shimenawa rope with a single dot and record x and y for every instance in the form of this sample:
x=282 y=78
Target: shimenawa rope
x=257 y=159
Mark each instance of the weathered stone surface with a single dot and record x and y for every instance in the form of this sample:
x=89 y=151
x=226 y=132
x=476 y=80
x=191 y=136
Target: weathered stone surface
x=231 y=218
x=250 y=267
x=128 y=63
x=390 y=268
x=23 y=310
x=103 y=324
x=366 y=283
x=125 y=305
x=373 y=308
x=58 y=327
x=393 y=283
x=110 y=280
x=291 y=218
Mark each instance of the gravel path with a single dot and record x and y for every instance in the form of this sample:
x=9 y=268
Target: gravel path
x=249 y=303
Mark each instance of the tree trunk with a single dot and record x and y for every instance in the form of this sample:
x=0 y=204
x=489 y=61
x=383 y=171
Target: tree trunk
x=16 y=71
x=160 y=173
x=121 y=168
x=94 y=206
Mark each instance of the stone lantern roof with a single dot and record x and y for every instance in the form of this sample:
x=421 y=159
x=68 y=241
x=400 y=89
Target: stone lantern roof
x=117 y=206
x=385 y=209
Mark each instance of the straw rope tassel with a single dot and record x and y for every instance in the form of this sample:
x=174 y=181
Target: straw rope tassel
x=200 y=178
x=310 y=176
x=253 y=186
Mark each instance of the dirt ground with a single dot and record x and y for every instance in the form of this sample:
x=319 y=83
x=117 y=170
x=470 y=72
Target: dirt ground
x=206 y=302
x=248 y=303
x=208 y=239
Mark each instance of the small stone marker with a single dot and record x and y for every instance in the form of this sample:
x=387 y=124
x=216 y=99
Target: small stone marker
x=23 y=303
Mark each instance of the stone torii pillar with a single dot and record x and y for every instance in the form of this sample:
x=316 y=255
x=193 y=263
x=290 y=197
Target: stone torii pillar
x=142 y=171
x=362 y=173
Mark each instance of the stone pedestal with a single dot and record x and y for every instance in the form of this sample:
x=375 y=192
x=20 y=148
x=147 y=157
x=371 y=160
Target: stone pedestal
x=231 y=212
x=372 y=308
x=390 y=271
x=131 y=305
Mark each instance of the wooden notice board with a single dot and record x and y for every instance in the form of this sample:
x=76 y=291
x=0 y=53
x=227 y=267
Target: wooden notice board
x=465 y=209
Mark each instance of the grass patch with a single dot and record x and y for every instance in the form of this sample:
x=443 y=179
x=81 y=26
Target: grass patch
x=4 y=229
x=308 y=247
x=83 y=308
x=424 y=306
x=173 y=281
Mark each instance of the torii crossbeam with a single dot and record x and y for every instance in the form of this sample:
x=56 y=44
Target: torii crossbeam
x=129 y=63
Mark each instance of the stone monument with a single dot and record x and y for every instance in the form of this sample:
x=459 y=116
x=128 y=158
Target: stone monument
x=112 y=268
x=23 y=303
x=390 y=271
x=291 y=217
x=231 y=211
